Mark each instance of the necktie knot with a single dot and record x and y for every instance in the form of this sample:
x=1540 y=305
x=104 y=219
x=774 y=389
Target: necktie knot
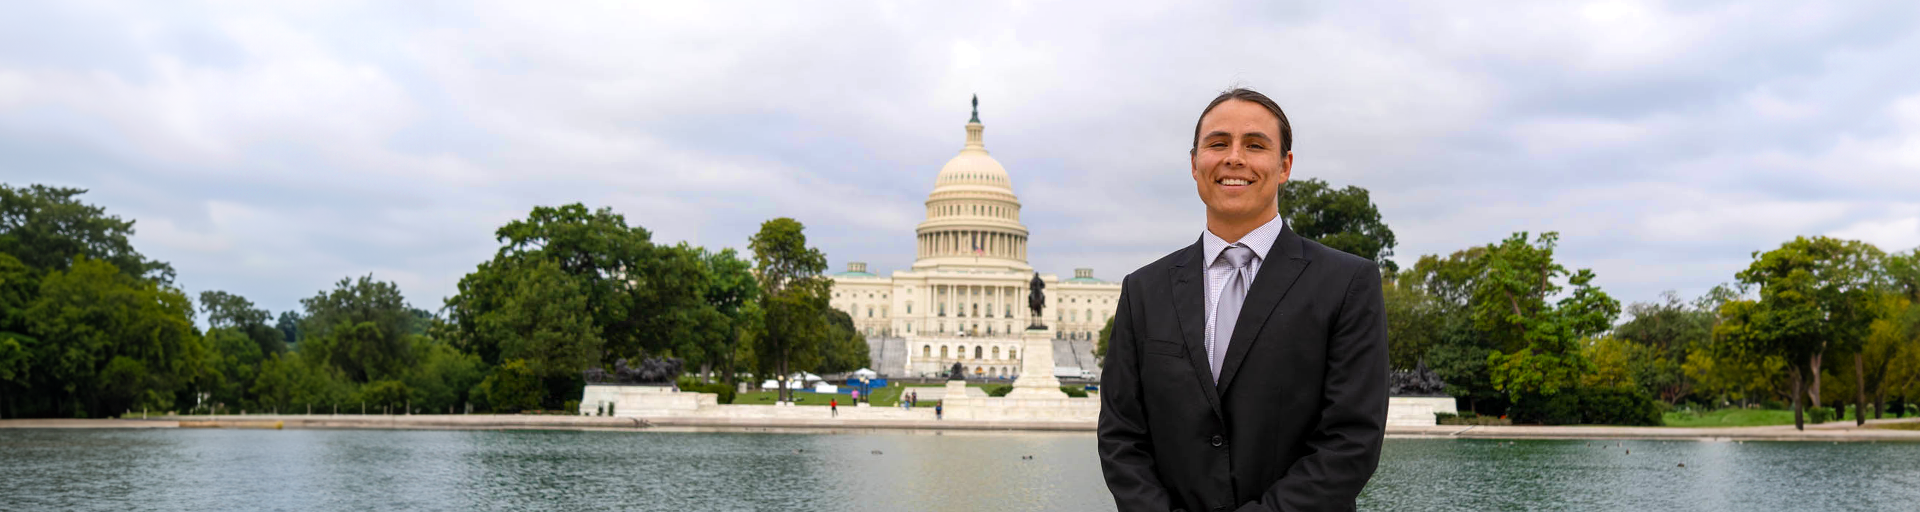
x=1238 y=256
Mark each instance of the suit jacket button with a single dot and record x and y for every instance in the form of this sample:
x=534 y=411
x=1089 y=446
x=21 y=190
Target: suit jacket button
x=1217 y=441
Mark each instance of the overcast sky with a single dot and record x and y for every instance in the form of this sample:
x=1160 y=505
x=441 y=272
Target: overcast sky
x=271 y=148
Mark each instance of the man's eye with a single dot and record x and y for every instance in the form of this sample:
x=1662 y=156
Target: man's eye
x=1256 y=146
x=1217 y=145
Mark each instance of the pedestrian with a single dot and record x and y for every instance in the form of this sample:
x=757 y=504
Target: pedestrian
x=834 y=405
x=856 y=396
x=937 y=411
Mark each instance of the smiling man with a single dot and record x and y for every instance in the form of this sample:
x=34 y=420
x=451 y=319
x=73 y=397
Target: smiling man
x=1247 y=371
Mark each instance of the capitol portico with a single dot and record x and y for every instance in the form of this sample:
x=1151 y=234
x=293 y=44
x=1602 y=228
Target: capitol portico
x=964 y=299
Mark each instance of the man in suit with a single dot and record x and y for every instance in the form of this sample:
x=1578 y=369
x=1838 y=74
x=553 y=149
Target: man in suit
x=1247 y=371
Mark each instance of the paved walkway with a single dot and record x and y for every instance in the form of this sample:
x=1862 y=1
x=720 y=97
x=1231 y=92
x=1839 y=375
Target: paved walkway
x=1835 y=431
x=816 y=419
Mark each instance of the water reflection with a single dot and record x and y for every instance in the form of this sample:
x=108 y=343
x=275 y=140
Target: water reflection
x=567 y=470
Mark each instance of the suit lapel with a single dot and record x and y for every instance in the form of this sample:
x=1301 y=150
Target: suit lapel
x=1190 y=308
x=1283 y=266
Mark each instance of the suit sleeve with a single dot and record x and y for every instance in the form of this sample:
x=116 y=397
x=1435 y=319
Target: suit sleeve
x=1126 y=451
x=1345 y=446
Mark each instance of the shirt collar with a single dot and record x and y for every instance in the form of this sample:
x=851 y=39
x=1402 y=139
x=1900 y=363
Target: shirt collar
x=1260 y=240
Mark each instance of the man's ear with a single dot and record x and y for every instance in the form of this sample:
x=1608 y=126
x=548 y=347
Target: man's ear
x=1286 y=167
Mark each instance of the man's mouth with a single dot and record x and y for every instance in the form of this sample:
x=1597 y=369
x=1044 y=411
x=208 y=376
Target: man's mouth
x=1233 y=182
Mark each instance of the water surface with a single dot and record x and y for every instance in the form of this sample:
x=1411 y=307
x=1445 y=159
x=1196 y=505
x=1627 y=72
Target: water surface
x=364 y=470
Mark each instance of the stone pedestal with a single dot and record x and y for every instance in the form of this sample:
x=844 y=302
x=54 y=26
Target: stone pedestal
x=1417 y=411
x=644 y=401
x=1036 y=367
x=955 y=389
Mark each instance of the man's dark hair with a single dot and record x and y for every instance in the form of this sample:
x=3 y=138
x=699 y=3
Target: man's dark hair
x=1244 y=94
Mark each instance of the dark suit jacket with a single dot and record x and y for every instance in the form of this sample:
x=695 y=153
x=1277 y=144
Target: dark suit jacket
x=1297 y=419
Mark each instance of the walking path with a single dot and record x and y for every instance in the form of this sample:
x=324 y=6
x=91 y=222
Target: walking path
x=862 y=419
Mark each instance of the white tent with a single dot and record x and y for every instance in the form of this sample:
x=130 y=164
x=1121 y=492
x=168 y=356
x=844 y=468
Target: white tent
x=866 y=373
x=770 y=384
x=803 y=377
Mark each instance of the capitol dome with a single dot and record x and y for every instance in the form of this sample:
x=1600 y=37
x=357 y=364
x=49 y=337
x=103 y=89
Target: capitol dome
x=973 y=216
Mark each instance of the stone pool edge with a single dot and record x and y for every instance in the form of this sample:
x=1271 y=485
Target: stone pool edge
x=1834 y=432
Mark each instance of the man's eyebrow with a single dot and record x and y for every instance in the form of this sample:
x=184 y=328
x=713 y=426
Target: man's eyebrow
x=1250 y=135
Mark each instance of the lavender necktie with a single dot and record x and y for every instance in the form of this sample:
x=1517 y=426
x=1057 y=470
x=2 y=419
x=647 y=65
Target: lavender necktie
x=1228 y=309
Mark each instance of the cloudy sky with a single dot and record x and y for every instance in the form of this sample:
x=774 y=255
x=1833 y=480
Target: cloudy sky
x=272 y=148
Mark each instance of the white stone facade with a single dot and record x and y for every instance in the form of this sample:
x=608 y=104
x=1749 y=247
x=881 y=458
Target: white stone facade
x=965 y=298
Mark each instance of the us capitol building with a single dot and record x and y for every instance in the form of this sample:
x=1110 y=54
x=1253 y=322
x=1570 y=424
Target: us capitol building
x=965 y=298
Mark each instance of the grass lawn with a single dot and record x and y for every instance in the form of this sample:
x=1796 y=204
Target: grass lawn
x=800 y=398
x=882 y=397
x=1730 y=418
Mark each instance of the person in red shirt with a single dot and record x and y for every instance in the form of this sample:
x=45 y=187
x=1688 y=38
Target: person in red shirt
x=834 y=405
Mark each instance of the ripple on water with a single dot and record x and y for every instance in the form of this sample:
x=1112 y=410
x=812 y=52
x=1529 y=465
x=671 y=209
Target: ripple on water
x=364 y=470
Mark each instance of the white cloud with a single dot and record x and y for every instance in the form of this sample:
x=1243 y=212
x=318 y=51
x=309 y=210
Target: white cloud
x=270 y=149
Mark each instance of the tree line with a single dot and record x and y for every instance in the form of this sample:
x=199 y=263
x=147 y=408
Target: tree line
x=89 y=327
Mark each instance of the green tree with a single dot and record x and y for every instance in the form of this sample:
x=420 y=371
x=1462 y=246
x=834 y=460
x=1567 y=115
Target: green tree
x=511 y=388
x=229 y=311
x=362 y=327
x=1344 y=219
x=19 y=285
x=1431 y=304
x=1894 y=333
x=1903 y=273
x=292 y=382
x=289 y=326
x=1662 y=335
x=543 y=322
x=1100 y=347
x=47 y=228
x=444 y=376
x=1415 y=320
x=236 y=365
x=636 y=290
x=107 y=342
x=1540 y=340
x=796 y=294
x=844 y=348
x=715 y=331
x=1816 y=296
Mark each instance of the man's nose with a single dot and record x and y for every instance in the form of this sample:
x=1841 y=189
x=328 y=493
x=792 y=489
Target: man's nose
x=1235 y=158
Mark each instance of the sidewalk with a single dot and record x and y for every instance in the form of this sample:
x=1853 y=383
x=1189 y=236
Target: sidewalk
x=1838 y=431
x=858 y=419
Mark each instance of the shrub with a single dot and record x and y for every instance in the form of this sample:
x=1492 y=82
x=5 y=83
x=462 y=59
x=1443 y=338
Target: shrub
x=1074 y=391
x=1773 y=405
x=1818 y=415
x=1001 y=390
x=1596 y=406
x=511 y=388
x=1619 y=406
x=726 y=392
x=571 y=407
x=386 y=392
x=691 y=385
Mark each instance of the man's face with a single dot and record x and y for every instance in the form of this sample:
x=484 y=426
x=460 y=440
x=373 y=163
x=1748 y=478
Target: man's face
x=1238 y=165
